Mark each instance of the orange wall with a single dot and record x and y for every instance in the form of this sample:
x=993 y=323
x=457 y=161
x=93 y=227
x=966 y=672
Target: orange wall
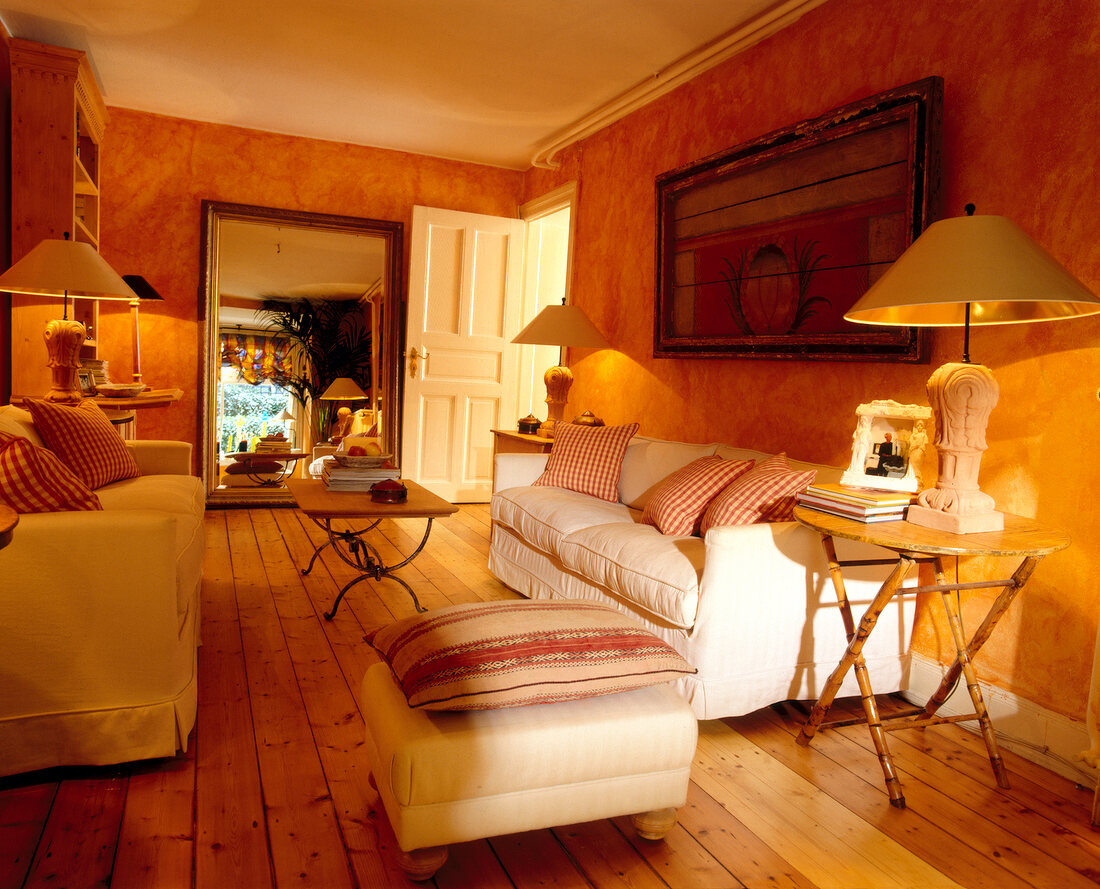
x=1021 y=127
x=157 y=171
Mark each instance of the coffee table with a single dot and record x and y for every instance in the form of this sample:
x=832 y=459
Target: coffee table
x=324 y=506
x=285 y=459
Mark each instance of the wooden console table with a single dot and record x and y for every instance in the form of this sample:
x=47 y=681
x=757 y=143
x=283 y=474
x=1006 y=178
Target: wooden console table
x=912 y=544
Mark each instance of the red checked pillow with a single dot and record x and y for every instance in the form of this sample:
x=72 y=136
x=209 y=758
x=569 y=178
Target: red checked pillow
x=492 y=655
x=32 y=479
x=677 y=505
x=85 y=441
x=587 y=459
x=764 y=494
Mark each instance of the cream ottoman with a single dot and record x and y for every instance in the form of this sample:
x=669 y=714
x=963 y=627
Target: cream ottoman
x=497 y=717
x=452 y=776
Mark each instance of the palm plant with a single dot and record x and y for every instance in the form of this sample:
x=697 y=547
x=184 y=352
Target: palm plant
x=324 y=339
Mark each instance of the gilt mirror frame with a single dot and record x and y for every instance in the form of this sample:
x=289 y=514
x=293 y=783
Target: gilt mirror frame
x=391 y=330
x=763 y=247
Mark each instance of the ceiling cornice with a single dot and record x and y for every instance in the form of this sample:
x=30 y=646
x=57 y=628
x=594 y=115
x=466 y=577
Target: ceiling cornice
x=669 y=78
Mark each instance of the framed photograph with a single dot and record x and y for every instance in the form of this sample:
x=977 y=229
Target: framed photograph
x=84 y=379
x=888 y=446
x=763 y=248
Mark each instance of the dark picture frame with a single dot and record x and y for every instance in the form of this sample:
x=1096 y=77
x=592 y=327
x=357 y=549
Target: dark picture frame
x=762 y=248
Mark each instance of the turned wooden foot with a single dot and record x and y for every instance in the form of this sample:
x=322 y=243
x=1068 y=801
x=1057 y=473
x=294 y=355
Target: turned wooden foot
x=654 y=825
x=421 y=864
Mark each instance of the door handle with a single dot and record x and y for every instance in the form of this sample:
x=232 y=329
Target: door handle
x=414 y=357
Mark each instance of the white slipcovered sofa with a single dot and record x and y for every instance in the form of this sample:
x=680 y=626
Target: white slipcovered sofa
x=751 y=607
x=99 y=618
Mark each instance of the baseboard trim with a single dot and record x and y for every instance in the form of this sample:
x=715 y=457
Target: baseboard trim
x=1042 y=736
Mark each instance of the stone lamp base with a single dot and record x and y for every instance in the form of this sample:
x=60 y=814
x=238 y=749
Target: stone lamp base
x=63 y=342
x=962 y=397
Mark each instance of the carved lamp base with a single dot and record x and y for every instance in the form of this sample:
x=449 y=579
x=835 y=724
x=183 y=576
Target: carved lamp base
x=962 y=397
x=558 y=380
x=63 y=342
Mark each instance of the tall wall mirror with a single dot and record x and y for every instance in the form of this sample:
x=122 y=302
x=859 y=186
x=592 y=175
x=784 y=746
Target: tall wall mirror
x=274 y=281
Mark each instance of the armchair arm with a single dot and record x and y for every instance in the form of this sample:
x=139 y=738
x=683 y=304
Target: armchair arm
x=516 y=470
x=85 y=588
x=162 y=457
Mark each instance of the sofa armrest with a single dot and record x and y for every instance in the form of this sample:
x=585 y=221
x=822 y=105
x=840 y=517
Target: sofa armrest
x=773 y=577
x=162 y=457
x=81 y=588
x=517 y=470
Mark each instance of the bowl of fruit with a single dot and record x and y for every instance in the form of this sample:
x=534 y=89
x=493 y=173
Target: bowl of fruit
x=366 y=456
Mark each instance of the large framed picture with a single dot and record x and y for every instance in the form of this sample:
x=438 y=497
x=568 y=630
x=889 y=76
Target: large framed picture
x=763 y=248
x=888 y=446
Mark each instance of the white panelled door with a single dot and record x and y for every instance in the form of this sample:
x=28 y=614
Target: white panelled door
x=460 y=375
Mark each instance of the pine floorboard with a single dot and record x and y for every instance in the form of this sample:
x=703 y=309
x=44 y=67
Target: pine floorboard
x=273 y=789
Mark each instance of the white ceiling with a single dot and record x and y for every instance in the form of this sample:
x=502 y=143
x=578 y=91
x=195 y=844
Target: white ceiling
x=490 y=81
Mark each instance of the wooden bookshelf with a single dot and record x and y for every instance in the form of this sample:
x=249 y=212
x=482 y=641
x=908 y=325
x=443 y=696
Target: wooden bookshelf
x=58 y=120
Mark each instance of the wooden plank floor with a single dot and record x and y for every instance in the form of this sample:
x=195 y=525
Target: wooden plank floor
x=273 y=791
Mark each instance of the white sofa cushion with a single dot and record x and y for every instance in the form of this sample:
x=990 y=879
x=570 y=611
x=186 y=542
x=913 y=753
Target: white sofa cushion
x=16 y=421
x=169 y=493
x=648 y=462
x=544 y=516
x=657 y=573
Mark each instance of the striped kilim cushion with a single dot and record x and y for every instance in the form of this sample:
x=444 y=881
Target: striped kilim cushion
x=677 y=505
x=764 y=494
x=32 y=479
x=587 y=459
x=84 y=439
x=491 y=655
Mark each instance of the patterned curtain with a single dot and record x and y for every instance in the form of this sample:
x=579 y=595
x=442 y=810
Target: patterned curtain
x=256 y=357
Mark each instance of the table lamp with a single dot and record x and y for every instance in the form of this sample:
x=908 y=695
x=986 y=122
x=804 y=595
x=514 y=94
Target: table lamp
x=968 y=270
x=342 y=389
x=143 y=290
x=67 y=269
x=560 y=326
x=287 y=419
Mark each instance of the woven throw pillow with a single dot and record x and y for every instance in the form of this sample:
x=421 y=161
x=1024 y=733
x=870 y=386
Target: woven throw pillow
x=677 y=505
x=32 y=479
x=763 y=494
x=587 y=459
x=492 y=655
x=85 y=441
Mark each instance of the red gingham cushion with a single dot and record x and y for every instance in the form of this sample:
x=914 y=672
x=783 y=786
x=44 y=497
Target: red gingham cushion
x=587 y=459
x=490 y=655
x=32 y=479
x=764 y=494
x=677 y=505
x=85 y=441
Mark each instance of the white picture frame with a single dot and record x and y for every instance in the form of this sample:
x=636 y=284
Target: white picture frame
x=888 y=446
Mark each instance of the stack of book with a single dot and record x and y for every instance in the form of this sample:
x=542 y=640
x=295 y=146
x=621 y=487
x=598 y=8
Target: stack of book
x=272 y=444
x=347 y=478
x=861 y=504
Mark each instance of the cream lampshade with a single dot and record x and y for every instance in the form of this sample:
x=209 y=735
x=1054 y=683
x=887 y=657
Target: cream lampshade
x=968 y=270
x=342 y=389
x=560 y=326
x=66 y=269
x=143 y=290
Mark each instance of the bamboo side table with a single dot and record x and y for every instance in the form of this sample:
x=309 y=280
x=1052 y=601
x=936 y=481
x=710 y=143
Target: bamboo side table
x=912 y=543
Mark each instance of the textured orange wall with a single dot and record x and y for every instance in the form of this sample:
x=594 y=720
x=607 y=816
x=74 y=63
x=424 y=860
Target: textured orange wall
x=157 y=171
x=1021 y=126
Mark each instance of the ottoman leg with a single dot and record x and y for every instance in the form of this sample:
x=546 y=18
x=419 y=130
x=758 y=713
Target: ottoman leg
x=421 y=864
x=654 y=825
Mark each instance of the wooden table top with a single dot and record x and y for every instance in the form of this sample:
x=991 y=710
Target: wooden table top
x=1020 y=537
x=315 y=500
x=148 y=398
x=259 y=456
x=9 y=518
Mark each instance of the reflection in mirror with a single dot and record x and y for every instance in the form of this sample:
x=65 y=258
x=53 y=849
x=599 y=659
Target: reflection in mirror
x=293 y=302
